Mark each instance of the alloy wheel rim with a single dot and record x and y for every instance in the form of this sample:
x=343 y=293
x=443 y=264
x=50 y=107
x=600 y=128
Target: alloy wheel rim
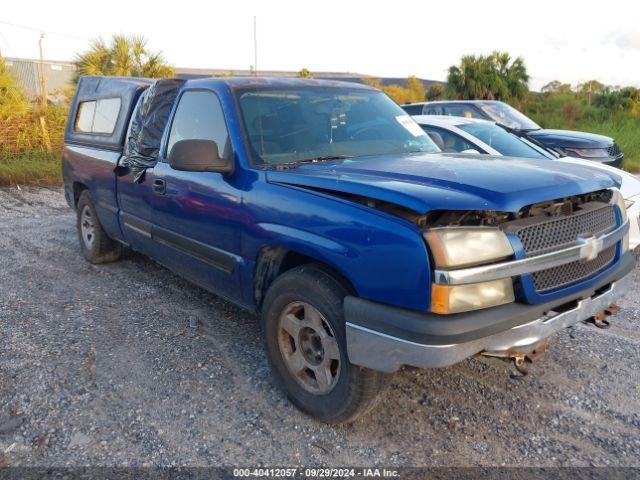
x=309 y=348
x=87 y=227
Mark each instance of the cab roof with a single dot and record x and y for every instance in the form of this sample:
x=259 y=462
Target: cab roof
x=283 y=82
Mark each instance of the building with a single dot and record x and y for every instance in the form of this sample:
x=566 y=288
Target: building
x=59 y=75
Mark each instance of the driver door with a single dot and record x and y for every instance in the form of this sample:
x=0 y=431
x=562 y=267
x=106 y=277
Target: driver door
x=196 y=215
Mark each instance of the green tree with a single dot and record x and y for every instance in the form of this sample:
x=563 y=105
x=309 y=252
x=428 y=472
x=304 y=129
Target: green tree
x=491 y=77
x=590 y=89
x=304 y=73
x=556 y=86
x=436 y=92
x=125 y=56
x=13 y=100
x=593 y=87
x=619 y=99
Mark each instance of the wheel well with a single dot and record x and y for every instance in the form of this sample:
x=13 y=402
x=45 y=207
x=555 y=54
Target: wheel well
x=274 y=261
x=78 y=188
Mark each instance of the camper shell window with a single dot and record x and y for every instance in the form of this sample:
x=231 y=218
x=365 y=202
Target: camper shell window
x=101 y=109
x=97 y=116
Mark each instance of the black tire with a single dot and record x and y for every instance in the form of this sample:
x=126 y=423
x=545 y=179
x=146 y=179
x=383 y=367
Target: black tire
x=355 y=389
x=96 y=246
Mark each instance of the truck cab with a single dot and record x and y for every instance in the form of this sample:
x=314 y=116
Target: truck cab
x=323 y=208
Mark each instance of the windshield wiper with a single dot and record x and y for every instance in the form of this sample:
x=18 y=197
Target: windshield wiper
x=286 y=165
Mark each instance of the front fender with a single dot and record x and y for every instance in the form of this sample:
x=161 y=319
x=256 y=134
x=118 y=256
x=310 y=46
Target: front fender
x=383 y=257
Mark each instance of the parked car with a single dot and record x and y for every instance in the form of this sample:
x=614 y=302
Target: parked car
x=588 y=146
x=324 y=208
x=460 y=134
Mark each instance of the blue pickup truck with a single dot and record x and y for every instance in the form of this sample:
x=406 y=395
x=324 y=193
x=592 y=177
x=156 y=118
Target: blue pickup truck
x=326 y=210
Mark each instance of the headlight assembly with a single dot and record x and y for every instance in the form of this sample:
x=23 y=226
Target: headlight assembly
x=588 y=152
x=462 y=246
x=456 y=247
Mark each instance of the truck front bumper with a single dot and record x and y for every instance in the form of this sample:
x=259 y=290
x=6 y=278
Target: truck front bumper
x=385 y=338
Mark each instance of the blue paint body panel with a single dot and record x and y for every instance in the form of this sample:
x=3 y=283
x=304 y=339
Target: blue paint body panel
x=212 y=228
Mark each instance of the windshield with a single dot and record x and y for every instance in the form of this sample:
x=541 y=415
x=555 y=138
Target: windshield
x=292 y=125
x=499 y=139
x=507 y=115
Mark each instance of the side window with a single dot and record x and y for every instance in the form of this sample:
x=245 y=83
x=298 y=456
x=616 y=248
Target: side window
x=448 y=141
x=462 y=110
x=199 y=116
x=413 y=109
x=433 y=111
x=97 y=116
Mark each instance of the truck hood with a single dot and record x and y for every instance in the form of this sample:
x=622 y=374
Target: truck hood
x=568 y=138
x=425 y=182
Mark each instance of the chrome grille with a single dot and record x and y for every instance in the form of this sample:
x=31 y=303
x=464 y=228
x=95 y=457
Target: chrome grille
x=614 y=150
x=556 y=233
x=572 y=272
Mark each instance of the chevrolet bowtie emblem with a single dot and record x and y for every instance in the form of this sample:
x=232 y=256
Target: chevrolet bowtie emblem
x=590 y=249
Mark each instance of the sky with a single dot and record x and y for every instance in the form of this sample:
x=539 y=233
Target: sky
x=571 y=41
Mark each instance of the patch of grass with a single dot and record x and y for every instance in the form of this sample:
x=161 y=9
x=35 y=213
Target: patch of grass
x=564 y=111
x=31 y=168
x=626 y=132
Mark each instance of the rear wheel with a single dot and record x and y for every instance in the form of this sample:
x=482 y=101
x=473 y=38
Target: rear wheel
x=304 y=329
x=96 y=246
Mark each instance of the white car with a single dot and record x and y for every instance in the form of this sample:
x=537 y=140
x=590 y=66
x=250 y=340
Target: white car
x=471 y=135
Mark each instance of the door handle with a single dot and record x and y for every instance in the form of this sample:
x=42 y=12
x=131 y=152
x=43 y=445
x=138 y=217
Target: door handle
x=159 y=186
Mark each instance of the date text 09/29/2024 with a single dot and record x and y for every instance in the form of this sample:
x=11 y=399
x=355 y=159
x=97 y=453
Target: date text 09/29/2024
x=315 y=473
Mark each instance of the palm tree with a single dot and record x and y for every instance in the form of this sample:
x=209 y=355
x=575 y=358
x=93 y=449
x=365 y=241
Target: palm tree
x=125 y=56
x=514 y=73
x=488 y=77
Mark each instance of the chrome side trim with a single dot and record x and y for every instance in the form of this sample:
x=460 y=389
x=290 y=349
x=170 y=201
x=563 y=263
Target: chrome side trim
x=586 y=249
x=379 y=351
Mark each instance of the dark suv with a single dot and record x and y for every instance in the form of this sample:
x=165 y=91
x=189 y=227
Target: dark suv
x=566 y=142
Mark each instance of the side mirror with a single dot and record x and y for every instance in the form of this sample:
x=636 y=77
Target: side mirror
x=470 y=150
x=198 y=156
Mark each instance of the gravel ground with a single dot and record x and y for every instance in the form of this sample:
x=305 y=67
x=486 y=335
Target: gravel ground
x=99 y=366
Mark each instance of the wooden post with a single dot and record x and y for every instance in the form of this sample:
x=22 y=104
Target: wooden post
x=43 y=78
x=45 y=134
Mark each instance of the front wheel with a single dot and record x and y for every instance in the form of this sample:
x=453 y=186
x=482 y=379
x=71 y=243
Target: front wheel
x=304 y=330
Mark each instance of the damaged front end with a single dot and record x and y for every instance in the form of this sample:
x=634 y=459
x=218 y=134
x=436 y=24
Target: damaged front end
x=509 y=281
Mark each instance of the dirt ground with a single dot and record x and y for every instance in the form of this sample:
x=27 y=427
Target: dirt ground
x=99 y=366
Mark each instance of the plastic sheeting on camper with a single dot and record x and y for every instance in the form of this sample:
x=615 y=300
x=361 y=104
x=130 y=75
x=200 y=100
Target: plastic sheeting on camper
x=142 y=145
